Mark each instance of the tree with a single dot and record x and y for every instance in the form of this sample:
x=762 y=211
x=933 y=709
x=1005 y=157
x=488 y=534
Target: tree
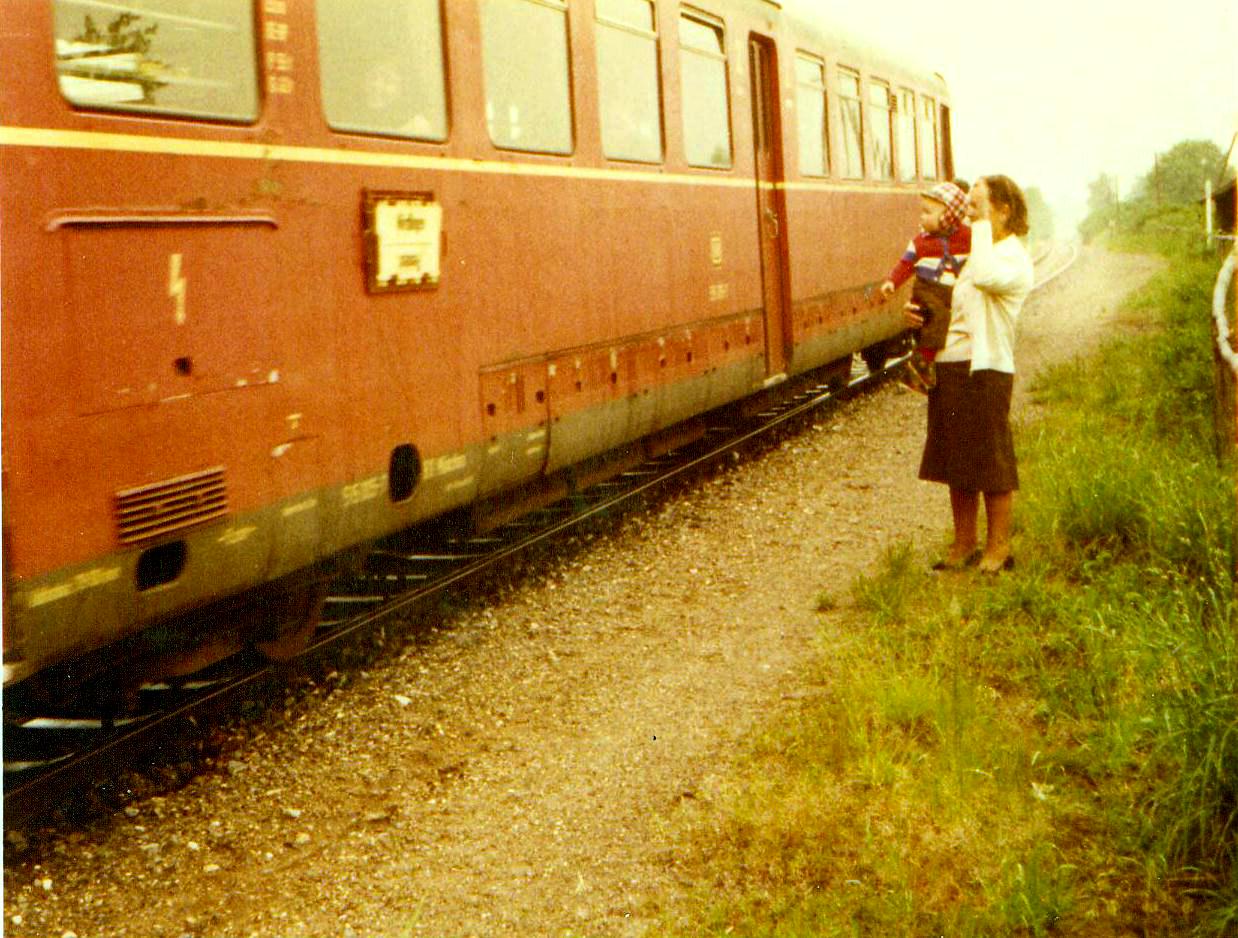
x=122 y=35
x=1102 y=206
x=1102 y=194
x=120 y=55
x=1177 y=176
x=1039 y=215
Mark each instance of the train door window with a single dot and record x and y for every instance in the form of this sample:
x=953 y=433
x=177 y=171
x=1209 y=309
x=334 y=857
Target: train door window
x=928 y=138
x=881 y=130
x=190 y=58
x=706 y=104
x=370 y=82
x=906 y=134
x=628 y=89
x=851 y=114
x=525 y=60
x=813 y=123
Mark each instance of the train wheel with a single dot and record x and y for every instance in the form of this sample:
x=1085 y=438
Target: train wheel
x=838 y=375
x=293 y=622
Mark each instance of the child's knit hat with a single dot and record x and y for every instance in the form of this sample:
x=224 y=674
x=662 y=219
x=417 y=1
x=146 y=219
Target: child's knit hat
x=954 y=199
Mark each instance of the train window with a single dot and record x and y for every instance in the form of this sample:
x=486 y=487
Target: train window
x=628 y=90
x=190 y=58
x=928 y=138
x=813 y=123
x=906 y=134
x=528 y=94
x=850 y=112
x=706 y=107
x=370 y=83
x=881 y=130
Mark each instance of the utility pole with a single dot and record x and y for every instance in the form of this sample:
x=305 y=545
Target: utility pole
x=1203 y=163
x=1117 y=204
x=1208 y=211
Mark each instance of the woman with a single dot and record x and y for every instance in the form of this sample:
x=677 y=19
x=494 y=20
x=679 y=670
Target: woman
x=969 y=446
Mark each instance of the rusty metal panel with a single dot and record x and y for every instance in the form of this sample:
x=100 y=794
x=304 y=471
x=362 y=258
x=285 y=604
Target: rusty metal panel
x=514 y=397
x=158 y=312
x=151 y=511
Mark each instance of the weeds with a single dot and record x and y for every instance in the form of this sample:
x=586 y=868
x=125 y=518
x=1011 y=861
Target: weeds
x=1036 y=893
x=888 y=593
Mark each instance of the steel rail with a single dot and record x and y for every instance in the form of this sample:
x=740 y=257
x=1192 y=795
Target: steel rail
x=1073 y=247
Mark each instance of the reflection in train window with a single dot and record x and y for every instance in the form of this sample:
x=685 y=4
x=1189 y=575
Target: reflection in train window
x=524 y=54
x=813 y=125
x=906 y=134
x=628 y=93
x=184 y=57
x=850 y=113
x=881 y=131
x=928 y=138
x=370 y=82
x=706 y=111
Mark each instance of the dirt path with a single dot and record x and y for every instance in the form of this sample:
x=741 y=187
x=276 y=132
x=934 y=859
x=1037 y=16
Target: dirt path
x=515 y=774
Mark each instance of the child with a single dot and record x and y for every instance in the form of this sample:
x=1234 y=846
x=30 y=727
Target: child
x=935 y=255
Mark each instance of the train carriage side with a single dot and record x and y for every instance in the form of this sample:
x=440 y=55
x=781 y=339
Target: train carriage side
x=273 y=288
x=166 y=432
x=264 y=348
x=870 y=132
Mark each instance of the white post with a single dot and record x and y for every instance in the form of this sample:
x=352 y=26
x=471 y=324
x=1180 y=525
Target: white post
x=1208 y=211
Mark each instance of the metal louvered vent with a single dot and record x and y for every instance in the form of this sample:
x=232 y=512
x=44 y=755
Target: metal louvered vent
x=172 y=505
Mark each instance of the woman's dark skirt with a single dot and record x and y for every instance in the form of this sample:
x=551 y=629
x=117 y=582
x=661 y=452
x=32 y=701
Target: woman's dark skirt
x=969 y=446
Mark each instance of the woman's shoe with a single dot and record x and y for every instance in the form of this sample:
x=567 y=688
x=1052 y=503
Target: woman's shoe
x=1007 y=564
x=969 y=561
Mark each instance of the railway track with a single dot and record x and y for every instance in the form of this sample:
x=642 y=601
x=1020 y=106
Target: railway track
x=67 y=759
x=55 y=760
x=1053 y=260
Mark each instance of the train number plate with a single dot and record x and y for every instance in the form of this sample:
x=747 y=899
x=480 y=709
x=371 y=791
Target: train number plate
x=403 y=241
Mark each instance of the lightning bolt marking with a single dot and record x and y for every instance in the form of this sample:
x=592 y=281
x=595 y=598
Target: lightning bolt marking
x=176 y=286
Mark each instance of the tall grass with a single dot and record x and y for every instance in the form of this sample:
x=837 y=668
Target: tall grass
x=1051 y=752
x=1141 y=518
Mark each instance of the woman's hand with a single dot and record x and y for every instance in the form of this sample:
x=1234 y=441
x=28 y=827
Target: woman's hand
x=978 y=207
x=912 y=316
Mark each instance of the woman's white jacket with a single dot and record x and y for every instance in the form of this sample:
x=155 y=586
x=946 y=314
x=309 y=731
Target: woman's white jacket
x=990 y=292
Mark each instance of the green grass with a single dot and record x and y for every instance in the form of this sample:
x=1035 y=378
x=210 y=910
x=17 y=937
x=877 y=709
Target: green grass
x=1054 y=752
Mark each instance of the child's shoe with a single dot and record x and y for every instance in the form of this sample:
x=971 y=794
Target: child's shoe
x=911 y=376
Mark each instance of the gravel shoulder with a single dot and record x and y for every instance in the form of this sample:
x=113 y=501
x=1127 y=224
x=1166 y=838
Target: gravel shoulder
x=517 y=771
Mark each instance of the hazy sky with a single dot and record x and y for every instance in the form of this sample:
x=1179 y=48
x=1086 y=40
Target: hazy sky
x=1056 y=92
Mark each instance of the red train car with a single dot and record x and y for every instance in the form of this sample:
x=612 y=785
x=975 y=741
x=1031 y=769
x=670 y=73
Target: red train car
x=280 y=277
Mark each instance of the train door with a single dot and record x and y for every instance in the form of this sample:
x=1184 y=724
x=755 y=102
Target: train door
x=771 y=203
x=947 y=145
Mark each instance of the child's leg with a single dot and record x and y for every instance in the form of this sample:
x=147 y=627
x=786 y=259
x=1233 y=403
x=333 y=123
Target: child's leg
x=922 y=364
x=934 y=302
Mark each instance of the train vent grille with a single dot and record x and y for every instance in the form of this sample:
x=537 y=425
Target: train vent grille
x=151 y=511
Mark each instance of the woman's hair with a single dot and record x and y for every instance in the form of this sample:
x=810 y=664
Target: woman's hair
x=1006 y=192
